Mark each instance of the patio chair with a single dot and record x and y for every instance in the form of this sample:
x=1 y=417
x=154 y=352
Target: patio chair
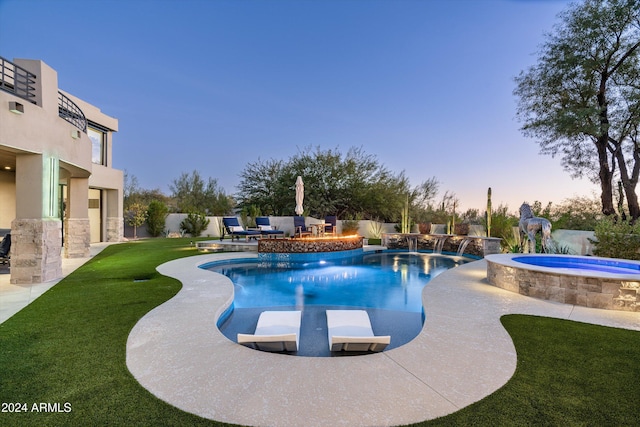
x=300 y=227
x=330 y=227
x=235 y=230
x=350 y=330
x=266 y=229
x=275 y=331
x=5 y=248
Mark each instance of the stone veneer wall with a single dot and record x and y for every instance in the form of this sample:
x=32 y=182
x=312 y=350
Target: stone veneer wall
x=77 y=237
x=477 y=245
x=308 y=245
x=35 y=250
x=115 y=229
x=594 y=292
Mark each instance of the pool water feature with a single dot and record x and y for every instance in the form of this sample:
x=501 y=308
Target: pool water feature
x=388 y=285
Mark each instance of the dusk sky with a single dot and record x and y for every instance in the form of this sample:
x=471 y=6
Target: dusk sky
x=425 y=86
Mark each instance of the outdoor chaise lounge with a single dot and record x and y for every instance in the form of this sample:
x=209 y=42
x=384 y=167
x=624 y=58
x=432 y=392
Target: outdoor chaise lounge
x=232 y=227
x=276 y=331
x=265 y=227
x=350 y=330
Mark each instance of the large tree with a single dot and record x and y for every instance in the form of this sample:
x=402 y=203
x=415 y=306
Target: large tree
x=582 y=99
x=192 y=194
x=348 y=185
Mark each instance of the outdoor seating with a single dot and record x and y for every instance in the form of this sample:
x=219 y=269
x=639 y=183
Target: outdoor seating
x=330 y=224
x=5 y=248
x=275 y=331
x=350 y=330
x=266 y=229
x=301 y=229
x=235 y=230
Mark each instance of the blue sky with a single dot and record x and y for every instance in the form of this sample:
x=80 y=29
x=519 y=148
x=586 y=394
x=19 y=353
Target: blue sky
x=425 y=86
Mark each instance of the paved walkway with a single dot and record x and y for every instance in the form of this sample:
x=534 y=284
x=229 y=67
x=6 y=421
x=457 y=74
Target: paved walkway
x=462 y=355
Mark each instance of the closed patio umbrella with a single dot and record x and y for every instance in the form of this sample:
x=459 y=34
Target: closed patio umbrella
x=299 y=195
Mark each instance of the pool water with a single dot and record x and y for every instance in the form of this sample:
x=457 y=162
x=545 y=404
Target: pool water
x=581 y=263
x=388 y=285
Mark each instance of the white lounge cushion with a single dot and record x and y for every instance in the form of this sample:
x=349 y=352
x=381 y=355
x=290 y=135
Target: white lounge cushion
x=275 y=331
x=265 y=227
x=350 y=330
x=235 y=228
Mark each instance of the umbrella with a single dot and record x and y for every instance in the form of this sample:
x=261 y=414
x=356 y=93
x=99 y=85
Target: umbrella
x=299 y=195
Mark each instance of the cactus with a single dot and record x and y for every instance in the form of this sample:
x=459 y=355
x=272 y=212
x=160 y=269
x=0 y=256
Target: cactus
x=405 y=223
x=488 y=214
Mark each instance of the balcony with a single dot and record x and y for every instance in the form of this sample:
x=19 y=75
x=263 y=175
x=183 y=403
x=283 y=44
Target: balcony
x=16 y=80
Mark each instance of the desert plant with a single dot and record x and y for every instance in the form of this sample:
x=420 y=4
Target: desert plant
x=617 y=239
x=350 y=226
x=375 y=229
x=156 y=215
x=194 y=224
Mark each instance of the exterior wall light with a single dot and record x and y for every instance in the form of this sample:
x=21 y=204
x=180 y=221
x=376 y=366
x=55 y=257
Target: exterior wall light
x=16 y=107
x=75 y=134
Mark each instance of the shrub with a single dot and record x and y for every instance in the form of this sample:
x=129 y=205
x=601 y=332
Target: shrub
x=617 y=239
x=156 y=215
x=194 y=224
x=350 y=226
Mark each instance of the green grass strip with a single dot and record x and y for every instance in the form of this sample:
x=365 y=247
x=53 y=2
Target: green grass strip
x=69 y=346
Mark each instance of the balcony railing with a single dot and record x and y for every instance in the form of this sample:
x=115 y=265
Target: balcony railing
x=16 y=80
x=68 y=110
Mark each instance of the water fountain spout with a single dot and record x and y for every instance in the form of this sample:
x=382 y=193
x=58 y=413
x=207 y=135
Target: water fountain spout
x=463 y=245
x=439 y=244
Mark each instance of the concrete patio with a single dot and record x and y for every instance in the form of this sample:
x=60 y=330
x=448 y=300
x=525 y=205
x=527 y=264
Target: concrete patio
x=461 y=355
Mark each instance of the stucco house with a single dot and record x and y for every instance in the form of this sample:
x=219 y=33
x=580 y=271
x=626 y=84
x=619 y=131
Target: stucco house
x=58 y=190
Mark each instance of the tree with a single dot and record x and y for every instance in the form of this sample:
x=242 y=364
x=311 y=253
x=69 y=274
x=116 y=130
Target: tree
x=156 y=215
x=347 y=185
x=134 y=194
x=582 y=98
x=135 y=217
x=192 y=194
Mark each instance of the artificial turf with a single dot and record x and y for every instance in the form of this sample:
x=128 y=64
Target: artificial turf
x=67 y=350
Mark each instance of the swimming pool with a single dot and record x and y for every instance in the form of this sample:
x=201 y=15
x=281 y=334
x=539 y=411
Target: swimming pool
x=388 y=285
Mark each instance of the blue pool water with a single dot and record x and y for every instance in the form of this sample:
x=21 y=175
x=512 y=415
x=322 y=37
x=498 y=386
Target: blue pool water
x=389 y=285
x=581 y=263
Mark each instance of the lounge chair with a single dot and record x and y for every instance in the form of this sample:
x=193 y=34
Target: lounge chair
x=300 y=227
x=266 y=229
x=350 y=330
x=5 y=248
x=276 y=331
x=235 y=230
x=330 y=227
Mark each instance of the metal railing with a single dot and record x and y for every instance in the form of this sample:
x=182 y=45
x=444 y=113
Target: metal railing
x=16 y=80
x=68 y=110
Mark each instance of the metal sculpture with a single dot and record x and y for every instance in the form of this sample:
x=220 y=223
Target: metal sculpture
x=531 y=225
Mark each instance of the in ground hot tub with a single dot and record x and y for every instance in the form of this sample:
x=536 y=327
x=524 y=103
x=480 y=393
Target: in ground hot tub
x=596 y=282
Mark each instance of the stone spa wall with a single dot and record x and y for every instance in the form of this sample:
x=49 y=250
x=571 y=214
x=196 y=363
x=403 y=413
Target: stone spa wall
x=609 y=293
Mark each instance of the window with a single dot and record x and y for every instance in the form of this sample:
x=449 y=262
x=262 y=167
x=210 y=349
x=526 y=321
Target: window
x=98 y=145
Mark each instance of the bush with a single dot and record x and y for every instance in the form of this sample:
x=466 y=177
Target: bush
x=194 y=224
x=156 y=215
x=617 y=239
x=350 y=226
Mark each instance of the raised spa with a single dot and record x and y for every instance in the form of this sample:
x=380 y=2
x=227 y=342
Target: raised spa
x=595 y=282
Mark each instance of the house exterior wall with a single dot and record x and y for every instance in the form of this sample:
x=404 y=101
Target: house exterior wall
x=47 y=173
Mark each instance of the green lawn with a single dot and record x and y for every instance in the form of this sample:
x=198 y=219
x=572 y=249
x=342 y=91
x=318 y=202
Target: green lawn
x=69 y=346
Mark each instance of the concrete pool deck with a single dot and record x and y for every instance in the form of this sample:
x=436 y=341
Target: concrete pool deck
x=461 y=355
